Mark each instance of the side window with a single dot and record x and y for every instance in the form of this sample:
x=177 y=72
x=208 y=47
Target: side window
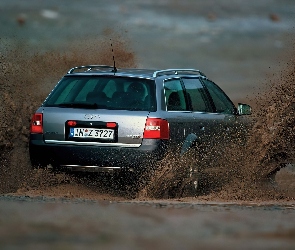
x=175 y=100
x=197 y=95
x=221 y=101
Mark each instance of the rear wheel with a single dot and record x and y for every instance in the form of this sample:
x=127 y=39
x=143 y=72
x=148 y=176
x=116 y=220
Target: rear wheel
x=174 y=176
x=190 y=180
x=36 y=163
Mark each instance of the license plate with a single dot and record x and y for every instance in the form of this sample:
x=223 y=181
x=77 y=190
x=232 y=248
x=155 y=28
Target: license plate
x=92 y=133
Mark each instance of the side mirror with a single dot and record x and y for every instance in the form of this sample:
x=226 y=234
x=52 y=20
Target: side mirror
x=244 y=109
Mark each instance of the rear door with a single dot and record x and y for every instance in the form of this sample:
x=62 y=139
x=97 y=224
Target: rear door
x=204 y=120
x=182 y=121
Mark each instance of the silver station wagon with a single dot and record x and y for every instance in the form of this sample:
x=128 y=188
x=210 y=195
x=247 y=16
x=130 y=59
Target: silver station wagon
x=100 y=118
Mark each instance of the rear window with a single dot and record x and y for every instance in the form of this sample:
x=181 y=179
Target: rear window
x=99 y=92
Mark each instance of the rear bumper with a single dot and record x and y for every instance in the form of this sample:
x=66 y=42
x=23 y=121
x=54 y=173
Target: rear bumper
x=95 y=157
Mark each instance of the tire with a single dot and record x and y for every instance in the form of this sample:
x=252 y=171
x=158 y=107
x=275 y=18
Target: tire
x=190 y=181
x=36 y=163
x=174 y=177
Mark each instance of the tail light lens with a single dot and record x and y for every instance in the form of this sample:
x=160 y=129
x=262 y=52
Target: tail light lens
x=37 y=123
x=72 y=123
x=156 y=128
x=111 y=124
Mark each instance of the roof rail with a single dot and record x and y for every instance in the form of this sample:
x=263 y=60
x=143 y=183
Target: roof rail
x=90 y=67
x=176 y=71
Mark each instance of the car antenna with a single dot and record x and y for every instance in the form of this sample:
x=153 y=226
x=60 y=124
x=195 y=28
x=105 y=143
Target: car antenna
x=114 y=69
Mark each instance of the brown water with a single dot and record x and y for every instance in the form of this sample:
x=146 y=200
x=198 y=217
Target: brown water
x=27 y=78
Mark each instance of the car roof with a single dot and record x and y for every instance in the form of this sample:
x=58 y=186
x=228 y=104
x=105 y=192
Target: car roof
x=141 y=73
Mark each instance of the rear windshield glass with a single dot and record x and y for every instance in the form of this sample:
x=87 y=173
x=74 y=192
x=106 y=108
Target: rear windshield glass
x=111 y=92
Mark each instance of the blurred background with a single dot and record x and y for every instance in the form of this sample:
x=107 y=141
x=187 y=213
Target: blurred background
x=238 y=44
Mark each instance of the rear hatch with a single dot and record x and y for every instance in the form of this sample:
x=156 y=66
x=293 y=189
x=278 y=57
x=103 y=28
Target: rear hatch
x=98 y=109
x=103 y=127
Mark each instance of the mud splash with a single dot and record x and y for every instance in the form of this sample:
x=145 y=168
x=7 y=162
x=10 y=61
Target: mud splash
x=245 y=171
x=270 y=145
x=271 y=141
x=26 y=79
x=240 y=173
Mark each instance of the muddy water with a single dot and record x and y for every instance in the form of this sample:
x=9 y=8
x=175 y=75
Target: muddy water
x=242 y=170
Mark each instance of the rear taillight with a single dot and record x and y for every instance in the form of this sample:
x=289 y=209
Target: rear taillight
x=111 y=124
x=37 y=124
x=156 y=128
x=72 y=123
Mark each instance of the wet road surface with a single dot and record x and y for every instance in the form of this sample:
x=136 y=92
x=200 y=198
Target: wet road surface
x=63 y=223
